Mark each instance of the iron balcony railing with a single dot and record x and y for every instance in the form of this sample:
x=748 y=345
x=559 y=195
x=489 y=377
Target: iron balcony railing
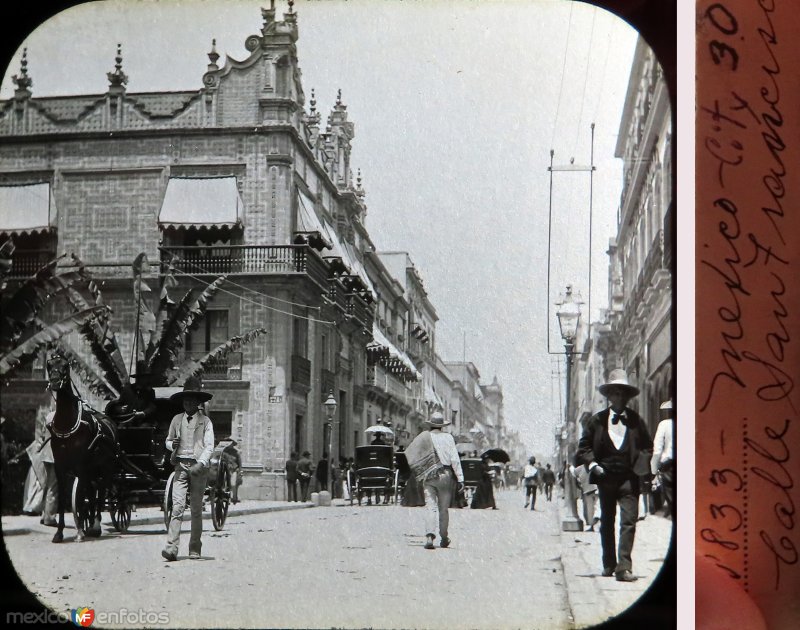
x=250 y=259
x=301 y=371
x=226 y=368
x=25 y=263
x=359 y=310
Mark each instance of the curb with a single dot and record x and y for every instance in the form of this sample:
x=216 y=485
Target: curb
x=155 y=520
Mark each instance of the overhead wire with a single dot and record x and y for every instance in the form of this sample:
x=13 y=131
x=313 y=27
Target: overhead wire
x=585 y=81
x=563 y=72
x=244 y=299
x=248 y=289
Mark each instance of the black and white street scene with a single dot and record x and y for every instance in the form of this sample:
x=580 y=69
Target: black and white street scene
x=337 y=314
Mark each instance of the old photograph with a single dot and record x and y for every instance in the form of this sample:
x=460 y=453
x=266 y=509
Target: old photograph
x=338 y=314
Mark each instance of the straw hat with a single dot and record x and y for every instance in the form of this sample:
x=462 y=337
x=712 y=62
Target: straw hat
x=437 y=420
x=618 y=378
x=192 y=386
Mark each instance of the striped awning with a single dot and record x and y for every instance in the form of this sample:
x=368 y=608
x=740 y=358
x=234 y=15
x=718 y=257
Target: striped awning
x=196 y=201
x=340 y=249
x=26 y=209
x=392 y=356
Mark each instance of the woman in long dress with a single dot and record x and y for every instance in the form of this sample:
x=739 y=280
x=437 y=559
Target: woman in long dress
x=484 y=492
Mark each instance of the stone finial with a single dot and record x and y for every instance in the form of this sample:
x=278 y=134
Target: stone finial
x=118 y=78
x=23 y=81
x=358 y=180
x=291 y=7
x=268 y=15
x=213 y=56
x=339 y=97
x=313 y=102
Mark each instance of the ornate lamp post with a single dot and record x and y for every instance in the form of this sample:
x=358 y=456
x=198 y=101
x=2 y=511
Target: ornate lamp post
x=569 y=315
x=330 y=413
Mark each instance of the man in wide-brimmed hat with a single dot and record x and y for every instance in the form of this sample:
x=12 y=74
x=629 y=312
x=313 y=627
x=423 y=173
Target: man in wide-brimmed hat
x=613 y=446
x=663 y=462
x=433 y=457
x=191 y=440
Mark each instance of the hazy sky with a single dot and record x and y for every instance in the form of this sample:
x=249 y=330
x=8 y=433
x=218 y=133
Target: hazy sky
x=456 y=107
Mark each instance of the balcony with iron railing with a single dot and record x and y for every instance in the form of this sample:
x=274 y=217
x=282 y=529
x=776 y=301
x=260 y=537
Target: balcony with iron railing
x=380 y=378
x=301 y=374
x=647 y=277
x=225 y=368
x=359 y=310
x=25 y=263
x=337 y=294
x=289 y=260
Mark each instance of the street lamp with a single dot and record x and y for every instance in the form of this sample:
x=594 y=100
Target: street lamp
x=330 y=413
x=569 y=315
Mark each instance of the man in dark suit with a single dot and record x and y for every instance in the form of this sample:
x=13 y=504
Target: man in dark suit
x=614 y=443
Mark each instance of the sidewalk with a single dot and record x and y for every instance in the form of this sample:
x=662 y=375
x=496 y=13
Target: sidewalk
x=153 y=515
x=593 y=598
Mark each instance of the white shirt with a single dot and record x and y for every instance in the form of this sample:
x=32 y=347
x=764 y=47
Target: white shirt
x=616 y=431
x=445 y=447
x=662 y=445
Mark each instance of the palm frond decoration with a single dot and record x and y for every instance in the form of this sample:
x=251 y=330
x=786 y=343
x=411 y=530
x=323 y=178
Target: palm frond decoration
x=16 y=356
x=165 y=307
x=6 y=262
x=195 y=367
x=100 y=337
x=184 y=317
x=26 y=303
x=98 y=385
x=145 y=318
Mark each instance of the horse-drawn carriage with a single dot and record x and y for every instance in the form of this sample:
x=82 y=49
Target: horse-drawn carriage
x=375 y=473
x=125 y=464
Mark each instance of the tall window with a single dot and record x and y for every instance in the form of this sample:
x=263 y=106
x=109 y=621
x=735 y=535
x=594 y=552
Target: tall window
x=212 y=332
x=300 y=334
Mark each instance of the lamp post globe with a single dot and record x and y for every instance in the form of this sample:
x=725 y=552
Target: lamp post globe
x=329 y=405
x=569 y=316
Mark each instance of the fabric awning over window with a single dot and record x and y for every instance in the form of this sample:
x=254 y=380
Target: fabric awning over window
x=195 y=201
x=340 y=249
x=380 y=340
x=432 y=396
x=25 y=209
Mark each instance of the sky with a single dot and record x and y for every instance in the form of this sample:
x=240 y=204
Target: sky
x=456 y=106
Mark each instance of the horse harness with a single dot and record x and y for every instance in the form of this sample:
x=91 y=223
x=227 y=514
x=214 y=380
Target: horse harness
x=100 y=429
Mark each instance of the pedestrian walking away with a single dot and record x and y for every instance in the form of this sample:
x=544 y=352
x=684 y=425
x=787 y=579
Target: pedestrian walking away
x=433 y=459
x=612 y=443
x=191 y=440
x=530 y=480
x=291 y=477
x=304 y=474
x=663 y=461
x=549 y=480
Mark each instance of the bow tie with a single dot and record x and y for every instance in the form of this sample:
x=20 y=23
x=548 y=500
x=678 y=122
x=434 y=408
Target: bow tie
x=617 y=417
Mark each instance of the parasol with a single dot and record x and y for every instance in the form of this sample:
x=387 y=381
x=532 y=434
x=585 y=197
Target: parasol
x=496 y=455
x=379 y=428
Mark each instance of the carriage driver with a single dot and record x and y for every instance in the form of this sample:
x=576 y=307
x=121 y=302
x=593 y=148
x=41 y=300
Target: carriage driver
x=191 y=440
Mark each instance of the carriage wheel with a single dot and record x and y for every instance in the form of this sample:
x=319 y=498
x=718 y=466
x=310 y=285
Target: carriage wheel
x=220 y=498
x=120 y=514
x=396 y=485
x=167 y=505
x=84 y=500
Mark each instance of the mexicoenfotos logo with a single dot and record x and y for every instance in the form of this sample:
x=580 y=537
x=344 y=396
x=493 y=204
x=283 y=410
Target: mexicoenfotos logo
x=82 y=616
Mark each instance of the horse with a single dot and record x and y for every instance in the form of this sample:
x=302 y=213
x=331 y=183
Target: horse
x=85 y=446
